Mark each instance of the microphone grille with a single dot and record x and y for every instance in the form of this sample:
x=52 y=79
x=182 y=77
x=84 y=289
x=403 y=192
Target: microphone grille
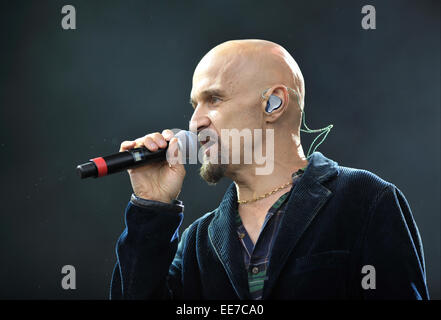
x=188 y=144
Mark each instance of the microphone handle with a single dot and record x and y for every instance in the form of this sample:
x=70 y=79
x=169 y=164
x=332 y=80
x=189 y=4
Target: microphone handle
x=101 y=166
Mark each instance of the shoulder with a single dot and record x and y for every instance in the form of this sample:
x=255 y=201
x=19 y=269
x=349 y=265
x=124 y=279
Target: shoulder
x=361 y=179
x=358 y=188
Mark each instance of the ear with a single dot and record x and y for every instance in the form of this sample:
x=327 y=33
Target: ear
x=278 y=91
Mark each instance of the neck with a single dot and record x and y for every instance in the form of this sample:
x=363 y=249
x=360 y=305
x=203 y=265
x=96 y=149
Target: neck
x=249 y=185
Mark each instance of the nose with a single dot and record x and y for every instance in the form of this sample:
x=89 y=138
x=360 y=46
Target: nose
x=199 y=120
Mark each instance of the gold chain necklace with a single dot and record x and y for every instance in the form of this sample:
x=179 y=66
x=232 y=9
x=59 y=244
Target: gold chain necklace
x=266 y=195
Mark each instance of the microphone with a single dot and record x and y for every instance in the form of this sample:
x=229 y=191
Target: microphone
x=117 y=162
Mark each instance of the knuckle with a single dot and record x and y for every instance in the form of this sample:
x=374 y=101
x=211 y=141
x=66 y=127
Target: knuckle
x=149 y=143
x=167 y=134
x=125 y=144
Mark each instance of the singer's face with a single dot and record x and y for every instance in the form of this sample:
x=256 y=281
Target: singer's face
x=225 y=95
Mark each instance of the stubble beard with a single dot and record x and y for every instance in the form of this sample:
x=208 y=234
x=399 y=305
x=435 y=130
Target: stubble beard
x=212 y=173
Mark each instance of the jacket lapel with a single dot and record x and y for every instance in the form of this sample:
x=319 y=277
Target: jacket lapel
x=223 y=237
x=307 y=198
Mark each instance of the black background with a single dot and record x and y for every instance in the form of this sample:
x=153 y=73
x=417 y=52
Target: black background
x=69 y=95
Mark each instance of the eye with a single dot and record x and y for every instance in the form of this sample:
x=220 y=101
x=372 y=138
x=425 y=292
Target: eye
x=214 y=99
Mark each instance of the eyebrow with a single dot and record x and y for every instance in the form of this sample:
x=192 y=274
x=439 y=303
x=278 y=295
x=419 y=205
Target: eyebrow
x=209 y=93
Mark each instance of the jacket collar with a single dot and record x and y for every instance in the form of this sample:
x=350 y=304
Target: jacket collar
x=308 y=196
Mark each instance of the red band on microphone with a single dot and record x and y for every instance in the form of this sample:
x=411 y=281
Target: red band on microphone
x=101 y=166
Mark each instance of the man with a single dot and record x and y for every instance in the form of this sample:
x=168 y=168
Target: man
x=309 y=230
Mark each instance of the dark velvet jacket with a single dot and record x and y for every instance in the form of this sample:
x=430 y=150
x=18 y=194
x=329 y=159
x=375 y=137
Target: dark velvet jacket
x=338 y=219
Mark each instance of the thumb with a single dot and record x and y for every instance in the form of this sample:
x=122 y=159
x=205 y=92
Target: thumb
x=174 y=158
x=173 y=154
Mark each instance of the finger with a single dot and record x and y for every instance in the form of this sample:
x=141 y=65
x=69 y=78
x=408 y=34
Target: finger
x=167 y=134
x=139 y=142
x=149 y=143
x=127 y=145
x=159 y=140
x=173 y=152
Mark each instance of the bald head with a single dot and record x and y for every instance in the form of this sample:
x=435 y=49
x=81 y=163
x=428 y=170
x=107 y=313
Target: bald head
x=253 y=64
x=228 y=84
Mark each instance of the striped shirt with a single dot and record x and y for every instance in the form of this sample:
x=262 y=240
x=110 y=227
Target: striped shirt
x=256 y=257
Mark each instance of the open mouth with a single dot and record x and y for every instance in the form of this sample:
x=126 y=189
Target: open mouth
x=206 y=146
x=204 y=142
x=208 y=140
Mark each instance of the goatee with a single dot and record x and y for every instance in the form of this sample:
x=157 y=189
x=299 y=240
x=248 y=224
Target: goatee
x=212 y=173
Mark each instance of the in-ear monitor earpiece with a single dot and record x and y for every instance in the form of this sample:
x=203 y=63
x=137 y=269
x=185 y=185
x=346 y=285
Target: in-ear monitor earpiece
x=274 y=102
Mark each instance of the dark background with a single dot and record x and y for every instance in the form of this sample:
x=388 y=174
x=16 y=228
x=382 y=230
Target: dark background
x=67 y=96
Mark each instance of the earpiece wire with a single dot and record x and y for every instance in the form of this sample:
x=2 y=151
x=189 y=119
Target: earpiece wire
x=323 y=131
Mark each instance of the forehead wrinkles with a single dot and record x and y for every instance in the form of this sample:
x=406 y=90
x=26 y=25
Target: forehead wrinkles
x=221 y=70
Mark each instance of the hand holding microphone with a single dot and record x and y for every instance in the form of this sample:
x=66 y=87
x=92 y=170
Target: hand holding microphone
x=151 y=175
x=158 y=180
